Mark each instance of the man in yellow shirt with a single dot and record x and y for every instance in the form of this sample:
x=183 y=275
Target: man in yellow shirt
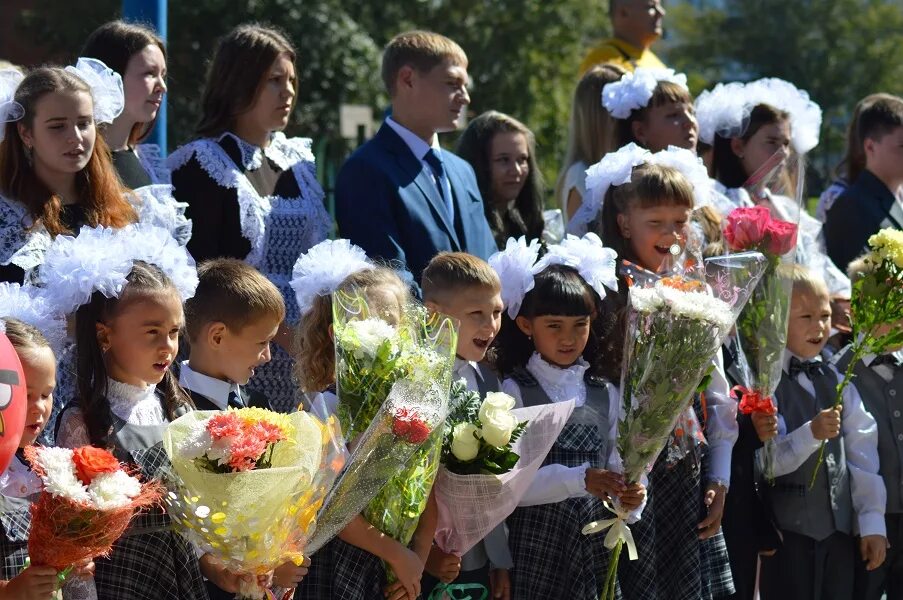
x=636 y=25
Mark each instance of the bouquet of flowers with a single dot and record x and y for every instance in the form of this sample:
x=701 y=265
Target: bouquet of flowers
x=88 y=500
x=762 y=326
x=490 y=454
x=246 y=484
x=393 y=376
x=876 y=308
x=675 y=327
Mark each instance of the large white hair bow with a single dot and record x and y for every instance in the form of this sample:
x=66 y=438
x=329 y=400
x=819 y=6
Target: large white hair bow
x=106 y=88
x=30 y=305
x=99 y=259
x=10 y=110
x=634 y=90
x=725 y=110
x=514 y=266
x=323 y=268
x=595 y=263
x=616 y=168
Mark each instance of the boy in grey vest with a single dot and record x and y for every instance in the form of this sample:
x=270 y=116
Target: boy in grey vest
x=465 y=287
x=879 y=380
x=817 y=522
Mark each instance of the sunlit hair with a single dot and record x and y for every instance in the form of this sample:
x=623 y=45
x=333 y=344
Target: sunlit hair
x=804 y=280
x=99 y=190
x=25 y=338
x=449 y=273
x=421 y=50
x=664 y=93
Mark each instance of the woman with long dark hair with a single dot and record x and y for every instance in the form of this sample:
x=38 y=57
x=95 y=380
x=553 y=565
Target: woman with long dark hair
x=252 y=193
x=502 y=152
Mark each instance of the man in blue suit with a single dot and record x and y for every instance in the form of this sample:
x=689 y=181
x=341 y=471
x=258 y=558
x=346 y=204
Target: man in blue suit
x=400 y=196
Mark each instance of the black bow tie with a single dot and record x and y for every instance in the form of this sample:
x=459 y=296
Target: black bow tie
x=810 y=367
x=891 y=360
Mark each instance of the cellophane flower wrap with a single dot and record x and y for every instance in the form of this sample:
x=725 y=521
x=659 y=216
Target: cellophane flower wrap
x=397 y=397
x=88 y=501
x=490 y=455
x=246 y=484
x=876 y=308
x=675 y=326
x=770 y=228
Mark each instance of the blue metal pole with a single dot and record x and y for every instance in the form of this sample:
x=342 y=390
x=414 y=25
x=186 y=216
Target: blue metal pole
x=154 y=14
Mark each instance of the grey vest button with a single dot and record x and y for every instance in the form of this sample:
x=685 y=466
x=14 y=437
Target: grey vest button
x=892 y=392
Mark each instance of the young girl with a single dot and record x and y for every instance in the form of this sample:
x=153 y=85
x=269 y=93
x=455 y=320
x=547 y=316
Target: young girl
x=139 y=56
x=56 y=176
x=127 y=328
x=550 y=351
x=351 y=565
x=252 y=192
x=747 y=124
x=644 y=220
x=589 y=136
x=502 y=152
x=18 y=485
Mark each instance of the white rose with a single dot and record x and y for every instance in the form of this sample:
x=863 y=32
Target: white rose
x=465 y=443
x=497 y=420
x=497 y=426
x=368 y=335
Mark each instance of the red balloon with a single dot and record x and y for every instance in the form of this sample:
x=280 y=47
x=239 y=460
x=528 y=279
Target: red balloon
x=13 y=402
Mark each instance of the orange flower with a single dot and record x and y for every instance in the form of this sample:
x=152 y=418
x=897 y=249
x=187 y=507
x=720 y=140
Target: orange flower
x=91 y=462
x=683 y=284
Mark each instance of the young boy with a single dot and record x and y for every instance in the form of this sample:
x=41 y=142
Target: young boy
x=817 y=522
x=231 y=320
x=467 y=288
x=879 y=380
x=400 y=196
x=871 y=202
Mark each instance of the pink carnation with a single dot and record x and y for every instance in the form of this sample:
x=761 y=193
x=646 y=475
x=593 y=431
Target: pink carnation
x=245 y=451
x=224 y=425
x=746 y=227
x=270 y=432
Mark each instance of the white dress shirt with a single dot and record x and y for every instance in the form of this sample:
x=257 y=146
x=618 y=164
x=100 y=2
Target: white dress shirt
x=466 y=370
x=420 y=149
x=885 y=372
x=215 y=390
x=721 y=428
x=860 y=440
x=18 y=481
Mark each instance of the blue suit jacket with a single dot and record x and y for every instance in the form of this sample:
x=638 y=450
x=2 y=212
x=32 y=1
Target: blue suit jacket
x=387 y=203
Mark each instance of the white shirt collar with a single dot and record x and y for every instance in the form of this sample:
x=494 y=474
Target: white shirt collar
x=134 y=404
x=560 y=384
x=215 y=390
x=868 y=359
x=413 y=141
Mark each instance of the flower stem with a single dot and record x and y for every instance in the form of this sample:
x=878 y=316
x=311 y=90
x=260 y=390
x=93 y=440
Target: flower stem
x=611 y=578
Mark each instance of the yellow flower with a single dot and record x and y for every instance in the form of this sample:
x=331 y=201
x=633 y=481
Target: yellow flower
x=280 y=420
x=888 y=244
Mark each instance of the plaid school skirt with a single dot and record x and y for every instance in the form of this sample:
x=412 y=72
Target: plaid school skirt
x=552 y=558
x=160 y=565
x=341 y=571
x=686 y=567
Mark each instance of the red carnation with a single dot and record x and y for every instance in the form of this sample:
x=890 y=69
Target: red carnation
x=224 y=425
x=91 y=462
x=408 y=425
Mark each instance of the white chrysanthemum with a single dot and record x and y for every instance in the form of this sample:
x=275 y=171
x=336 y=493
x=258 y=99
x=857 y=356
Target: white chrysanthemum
x=197 y=442
x=323 y=268
x=109 y=491
x=514 y=266
x=699 y=306
x=595 y=263
x=59 y=477
x=634 y=90
x=106 y=88
x=365 y=336
x=29 y=305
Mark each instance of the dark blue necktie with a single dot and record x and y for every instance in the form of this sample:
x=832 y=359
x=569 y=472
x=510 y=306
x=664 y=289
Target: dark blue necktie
x=433 y=159
x=234 y=400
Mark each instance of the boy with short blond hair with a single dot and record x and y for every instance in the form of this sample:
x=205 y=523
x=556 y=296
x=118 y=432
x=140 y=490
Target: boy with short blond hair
x=466 y=288
x=818 y=520
x=400 y=196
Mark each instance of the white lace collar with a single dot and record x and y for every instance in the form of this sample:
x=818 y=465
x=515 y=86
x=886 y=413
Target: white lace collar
x=560 y=384
x=277 y=150
x=135 y=405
